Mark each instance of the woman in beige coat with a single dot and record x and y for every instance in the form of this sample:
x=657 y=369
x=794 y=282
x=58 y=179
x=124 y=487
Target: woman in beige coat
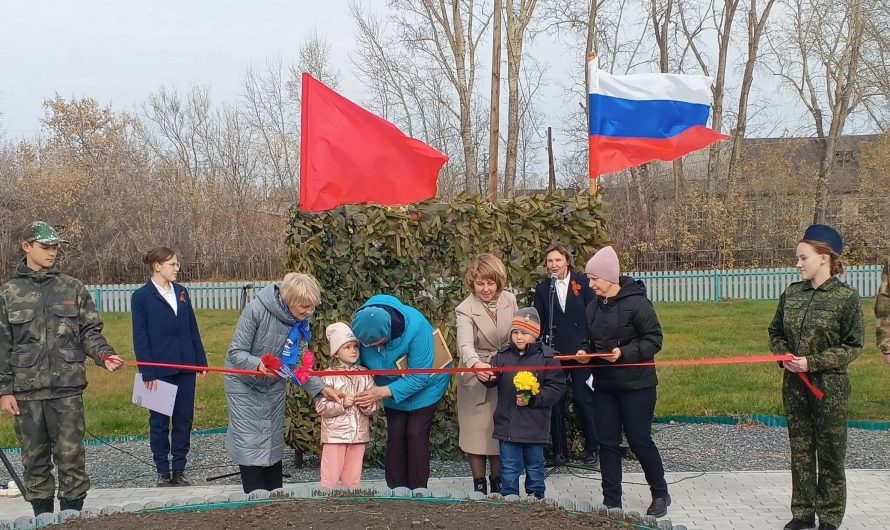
x=483 y=327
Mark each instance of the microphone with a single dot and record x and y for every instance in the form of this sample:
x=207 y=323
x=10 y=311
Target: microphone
x=553 y=278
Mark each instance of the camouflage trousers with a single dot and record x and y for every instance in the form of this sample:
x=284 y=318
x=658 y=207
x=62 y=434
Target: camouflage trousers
x=52 y=430
x=817 y=432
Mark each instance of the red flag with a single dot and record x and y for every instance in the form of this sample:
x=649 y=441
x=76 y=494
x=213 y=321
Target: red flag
x=349 y=155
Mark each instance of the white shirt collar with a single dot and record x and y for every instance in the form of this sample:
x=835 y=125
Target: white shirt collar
x=161 y=289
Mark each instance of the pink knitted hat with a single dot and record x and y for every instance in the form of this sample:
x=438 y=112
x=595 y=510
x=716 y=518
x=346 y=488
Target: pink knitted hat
x=604 y=264
x=339 y=334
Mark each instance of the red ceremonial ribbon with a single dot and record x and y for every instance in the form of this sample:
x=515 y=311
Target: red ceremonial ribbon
x=191 y=368
x=409 y=371
x=809 y=384
x=804 y=377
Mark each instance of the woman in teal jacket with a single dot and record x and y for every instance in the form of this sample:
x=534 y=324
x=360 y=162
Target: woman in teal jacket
x=389 y=330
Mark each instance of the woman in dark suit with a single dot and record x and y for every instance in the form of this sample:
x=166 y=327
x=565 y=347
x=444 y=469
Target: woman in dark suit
x=165 y=331
x=561 y=301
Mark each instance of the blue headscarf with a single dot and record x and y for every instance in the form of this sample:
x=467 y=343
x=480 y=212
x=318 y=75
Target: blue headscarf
x=299 y=331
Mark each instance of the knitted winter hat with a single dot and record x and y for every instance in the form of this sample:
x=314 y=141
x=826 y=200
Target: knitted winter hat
x=825 y=234
x=527 y=320
x=339 y=334
x=371 y=324
x=604 y=264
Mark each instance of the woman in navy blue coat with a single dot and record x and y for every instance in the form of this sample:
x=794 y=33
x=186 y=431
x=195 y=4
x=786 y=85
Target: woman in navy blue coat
x=561 y=303
x=165 y=331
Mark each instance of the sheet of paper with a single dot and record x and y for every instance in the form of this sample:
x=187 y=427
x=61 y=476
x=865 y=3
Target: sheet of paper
x=160 y=400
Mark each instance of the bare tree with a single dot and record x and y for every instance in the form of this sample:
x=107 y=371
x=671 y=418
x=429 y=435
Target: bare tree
x=315 y=58
x=519 y=14
x=597 y=27
x=531 y=127
x=721 y=19
x=755 y=25
x=272 y=111
x=447 y=33
x=661 y=13
x=495 y=104
x=386 y=72
x=406 y=92
x=818 y=57
x=177 y=130
x=875 y=75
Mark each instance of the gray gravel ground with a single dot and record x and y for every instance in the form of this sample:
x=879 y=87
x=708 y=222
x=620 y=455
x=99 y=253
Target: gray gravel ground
x=684 y=447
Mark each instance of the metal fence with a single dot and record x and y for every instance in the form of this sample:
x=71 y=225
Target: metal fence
x=204 y=295
x=745 y=284
x=680 y=286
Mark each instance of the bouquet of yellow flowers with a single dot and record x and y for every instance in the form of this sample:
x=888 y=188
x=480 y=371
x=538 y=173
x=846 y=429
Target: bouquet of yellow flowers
x=526 y=384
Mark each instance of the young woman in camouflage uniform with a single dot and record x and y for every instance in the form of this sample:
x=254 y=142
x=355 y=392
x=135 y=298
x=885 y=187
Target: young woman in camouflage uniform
x=819 y=321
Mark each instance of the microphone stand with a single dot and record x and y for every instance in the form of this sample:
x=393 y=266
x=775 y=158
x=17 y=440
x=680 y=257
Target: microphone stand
x=550 y=310
x=562 y=426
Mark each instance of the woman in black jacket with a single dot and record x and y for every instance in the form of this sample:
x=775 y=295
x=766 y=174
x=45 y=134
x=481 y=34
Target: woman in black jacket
x=622 y=322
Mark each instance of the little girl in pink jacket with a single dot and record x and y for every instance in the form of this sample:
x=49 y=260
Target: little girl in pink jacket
x=345 y=428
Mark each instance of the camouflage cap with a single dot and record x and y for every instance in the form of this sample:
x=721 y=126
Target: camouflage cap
x=44 y=233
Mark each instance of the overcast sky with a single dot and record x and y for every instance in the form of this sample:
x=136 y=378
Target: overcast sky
x=120 y=51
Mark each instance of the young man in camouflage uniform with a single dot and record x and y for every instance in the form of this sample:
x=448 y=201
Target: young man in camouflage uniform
x=48 y=326
x=882 y=312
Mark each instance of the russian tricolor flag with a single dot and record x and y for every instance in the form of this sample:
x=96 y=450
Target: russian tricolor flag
x=638 y=118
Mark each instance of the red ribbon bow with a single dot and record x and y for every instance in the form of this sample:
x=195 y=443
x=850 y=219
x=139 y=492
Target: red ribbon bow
x=304 y=371
x=576 y=287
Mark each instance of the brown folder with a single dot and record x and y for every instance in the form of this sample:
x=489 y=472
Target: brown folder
x=441 y=354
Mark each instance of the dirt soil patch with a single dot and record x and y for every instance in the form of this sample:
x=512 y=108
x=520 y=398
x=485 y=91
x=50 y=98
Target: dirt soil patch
x=349 y=514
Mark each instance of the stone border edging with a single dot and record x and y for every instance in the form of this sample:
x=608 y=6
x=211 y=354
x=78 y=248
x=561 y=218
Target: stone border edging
x=311 y=491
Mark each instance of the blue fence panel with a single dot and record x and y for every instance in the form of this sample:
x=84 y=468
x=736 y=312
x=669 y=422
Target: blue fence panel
x=679 y=286
x=204 y=295
x=748 y=284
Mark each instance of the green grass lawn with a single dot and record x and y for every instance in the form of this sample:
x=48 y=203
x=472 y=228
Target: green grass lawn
x=692 y=331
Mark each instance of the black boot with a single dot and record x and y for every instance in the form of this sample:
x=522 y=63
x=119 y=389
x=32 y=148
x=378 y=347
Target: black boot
x=479 y=484
x=659 y=506
x=495 y=484
x=70 y=504
x=800 y=524
x=43 y=506
x=179 y=479
x=164 y=479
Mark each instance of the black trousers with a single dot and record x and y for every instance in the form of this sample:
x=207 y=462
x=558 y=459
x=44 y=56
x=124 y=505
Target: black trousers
x=633 y=410
x=408 y=447
x=261 y=477
x=582 y=398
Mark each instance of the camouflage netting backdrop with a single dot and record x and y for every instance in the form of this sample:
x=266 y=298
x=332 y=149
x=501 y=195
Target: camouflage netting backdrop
x=420 y=254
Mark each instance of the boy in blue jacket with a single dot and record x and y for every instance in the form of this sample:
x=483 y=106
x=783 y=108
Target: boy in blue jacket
x=523 y=424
